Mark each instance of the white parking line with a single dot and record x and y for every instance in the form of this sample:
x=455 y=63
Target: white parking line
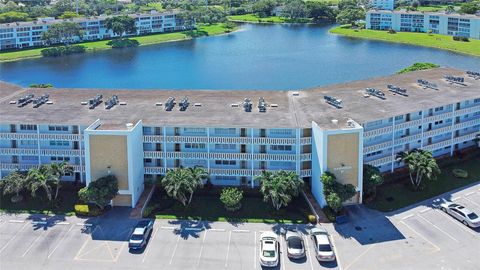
x=336 y=252
x=469 y=193
x=193 y=229
x=284 y=252
x=409 y=216
x=60 y=241
x=308 y=251
x=11 y=239
x=63 y=223
x=241 y=231
x=447 y=234
x=456 y=198
x=39 y=222
x=201 y=248
x=228 y=248
x=33 y=243
x=425 y=210
x=216 y=230
x=417 y=233
x=16 y=221
x=255 y=251
x=167 y=228
x=471 y=200
x=174 y=249
x=147 y=249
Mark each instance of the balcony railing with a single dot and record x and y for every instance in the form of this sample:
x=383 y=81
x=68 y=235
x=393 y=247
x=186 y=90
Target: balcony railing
x=43 y=152
x=226 y=172
x=42 y=136
x=226 y=156
x=24 y=167
x=222 y=140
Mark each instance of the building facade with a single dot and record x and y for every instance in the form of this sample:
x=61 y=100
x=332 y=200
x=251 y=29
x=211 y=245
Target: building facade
x=29 y=34
x=436 y=23
x=383 y=4
x=139 y=138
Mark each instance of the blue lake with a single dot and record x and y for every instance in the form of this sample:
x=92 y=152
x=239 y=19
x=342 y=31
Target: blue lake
x=256 y=57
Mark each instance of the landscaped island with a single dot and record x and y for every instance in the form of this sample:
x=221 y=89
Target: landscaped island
x=202 y=30
x=420 y=39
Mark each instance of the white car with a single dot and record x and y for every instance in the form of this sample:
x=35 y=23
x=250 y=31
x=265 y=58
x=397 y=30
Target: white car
x=460 y=212
x=322 y=245
x=295 y=246
x=269 y=249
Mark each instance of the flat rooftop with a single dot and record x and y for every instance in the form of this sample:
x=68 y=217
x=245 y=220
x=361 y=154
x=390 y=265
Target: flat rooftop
x=404 y=11
x=219 y=108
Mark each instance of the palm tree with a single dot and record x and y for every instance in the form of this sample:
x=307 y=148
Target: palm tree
x=13 y=183
x=421 y=164
x=279 y=187
x=40 y=179
x=199 y=177
x=180 y=184
x=58 y=170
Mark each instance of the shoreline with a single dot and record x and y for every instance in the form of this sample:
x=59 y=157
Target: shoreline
x=100 y=45
x=440 y=39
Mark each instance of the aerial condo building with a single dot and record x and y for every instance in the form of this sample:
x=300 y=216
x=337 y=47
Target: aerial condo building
x=235 y=135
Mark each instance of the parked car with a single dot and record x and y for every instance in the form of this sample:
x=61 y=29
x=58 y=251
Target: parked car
x=295 y=245
x=140 y=234
x=322 y=245
x=269 y=249
x=460 y=212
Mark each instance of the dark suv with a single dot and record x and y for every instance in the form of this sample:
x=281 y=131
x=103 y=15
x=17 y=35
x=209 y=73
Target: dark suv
x=140 y=234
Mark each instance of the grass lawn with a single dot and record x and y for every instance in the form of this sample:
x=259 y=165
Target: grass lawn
x=403 y=195
x=67 y=198
x=252 y=18
x=421 y=39
x=209 y=207
x=202 y=30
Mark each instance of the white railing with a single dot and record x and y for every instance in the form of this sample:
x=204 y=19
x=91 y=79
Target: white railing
x=306 y=140
x=381 y=161
x=23 y=167
x=467 y=110
x=377 y=132
x=226 y=156
x=438 y=145
x=42 y=136
x=465 y=138
x=223 y=140
x=18 y=151
x=377 y=147
x=227 y=172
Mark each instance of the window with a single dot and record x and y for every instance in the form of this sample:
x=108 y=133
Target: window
x=194 y=145
x=226 y=162
x=439 y=122
x=59 y=143
x=280 y=131
x=438 y=109
x=225 y=178
x=219 y=146
x=60 y=159
x=374 y=154
x=58 y=128
x=282 y=164
x=225 y=131
x=29 y=158
x=194 y=130
x=477 y=100
x=28 y=142
x=374 y=123
x=281 y=147
x=398 y=117
x=28 y=127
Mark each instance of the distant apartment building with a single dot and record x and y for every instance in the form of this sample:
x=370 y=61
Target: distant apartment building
x=29 y=34
x=383 y=4
x=146 y=133
x=438 y=23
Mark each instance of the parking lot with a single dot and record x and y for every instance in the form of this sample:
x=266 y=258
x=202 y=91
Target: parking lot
x=420 y=237
x=172 y=245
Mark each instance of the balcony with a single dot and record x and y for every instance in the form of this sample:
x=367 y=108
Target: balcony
x=225 y=172
x=24 y=167
x=226 y=156
x=42 y=136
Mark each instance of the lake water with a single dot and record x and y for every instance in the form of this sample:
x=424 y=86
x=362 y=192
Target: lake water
x=256 y=57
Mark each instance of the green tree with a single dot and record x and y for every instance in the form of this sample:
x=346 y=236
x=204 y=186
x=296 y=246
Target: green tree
x=13 y=16
x=350 y=16
x=100 y=192
x=280 y=187
x=334 y=201
x=264 y=8
x=335 y=193
x=180 y=184
x=58 y=170
x=295 y=9
x=40 y=179
x=64 y=32
x=231 y=198
x=69 y=15
x=319 y=11
x=449 y=9
x=347 y=4
x=13 y=183
x=371 y=179
x=470 y=7
x=121 y=25
x=421 y=165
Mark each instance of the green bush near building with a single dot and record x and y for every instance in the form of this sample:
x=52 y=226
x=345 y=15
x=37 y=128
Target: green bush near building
x=123 y=43
x=63 y=50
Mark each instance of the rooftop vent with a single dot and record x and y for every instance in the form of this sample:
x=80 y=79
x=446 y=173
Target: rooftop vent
x=473 y=74
x=111 y=102
x=25 y=100
x=296 y=94
x=197 y=105
x=350 y=123
x=375 y=92
x=169 y=104
x=455 y=79
x=40 y=100
x=129 y=125
x=397 y=90
x=234 y=105
x=158 y=104
x=335 y=122
x=94 y=102
x=184 y=104
x=335 y=102
x=262 y=105
x=273 y=105
x=426 y=84
x=247 y=104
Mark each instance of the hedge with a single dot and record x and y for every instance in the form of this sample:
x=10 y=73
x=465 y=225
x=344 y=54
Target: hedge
x=63 y=50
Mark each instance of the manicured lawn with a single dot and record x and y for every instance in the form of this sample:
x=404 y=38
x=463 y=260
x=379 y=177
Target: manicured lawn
x=202 y=30
x=209 y=207
x=67 y=198
x=420 y=39
x=252 y=18
x=394 y=196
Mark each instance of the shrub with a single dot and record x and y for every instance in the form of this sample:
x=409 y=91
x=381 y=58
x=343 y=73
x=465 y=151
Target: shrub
x=461 y=38
x=391 y=31
x=231 y=198
x=41 y=85
x=123 y=43
x=459 y=173
x=312 y=218
x=148 y=210
x=62 y=50
x=81 y=209
x=418 y=66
